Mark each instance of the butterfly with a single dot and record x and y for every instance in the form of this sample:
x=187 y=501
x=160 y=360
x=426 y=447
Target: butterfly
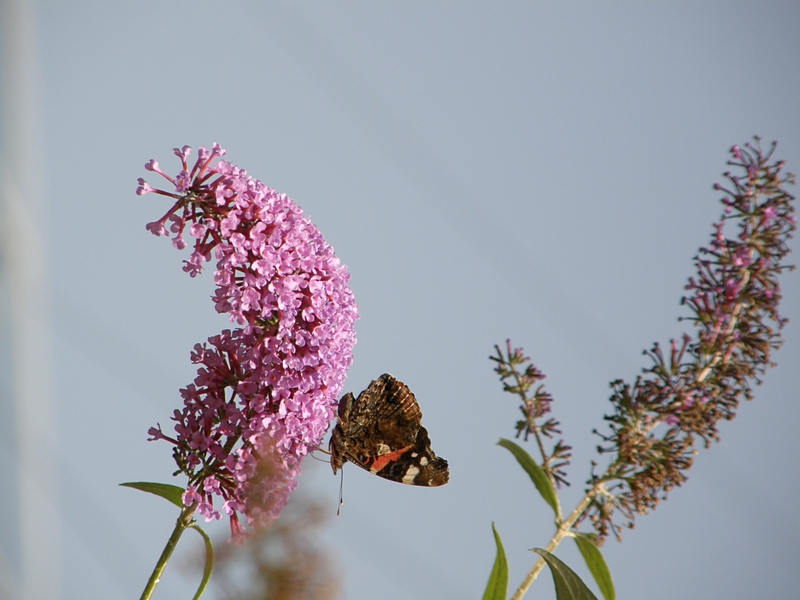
x=381 y=431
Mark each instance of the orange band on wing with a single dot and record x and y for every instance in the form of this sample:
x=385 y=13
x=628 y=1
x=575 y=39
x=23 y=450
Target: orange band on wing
x=383 y=460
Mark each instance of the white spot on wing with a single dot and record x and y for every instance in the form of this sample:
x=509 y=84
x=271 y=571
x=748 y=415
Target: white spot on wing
x=410 y=475
x=383 y=449
x=423 y=461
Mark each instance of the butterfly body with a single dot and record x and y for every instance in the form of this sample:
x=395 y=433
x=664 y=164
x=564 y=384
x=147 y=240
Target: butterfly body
x=381 y=431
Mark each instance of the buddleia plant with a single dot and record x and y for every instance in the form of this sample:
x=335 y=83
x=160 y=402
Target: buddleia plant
x=266 y=390
x=657 y=420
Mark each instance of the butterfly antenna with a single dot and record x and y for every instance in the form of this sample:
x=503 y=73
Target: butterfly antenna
x=314 y=447
x=341 y=485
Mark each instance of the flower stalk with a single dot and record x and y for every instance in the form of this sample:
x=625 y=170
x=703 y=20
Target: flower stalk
x=266 y=390
x=733 y=301
x=184 y=521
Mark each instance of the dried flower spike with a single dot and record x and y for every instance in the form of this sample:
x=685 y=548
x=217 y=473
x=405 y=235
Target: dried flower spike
x=734 y=301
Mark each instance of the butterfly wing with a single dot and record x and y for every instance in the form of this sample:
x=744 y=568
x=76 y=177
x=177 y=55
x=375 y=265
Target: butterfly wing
x=381 y=431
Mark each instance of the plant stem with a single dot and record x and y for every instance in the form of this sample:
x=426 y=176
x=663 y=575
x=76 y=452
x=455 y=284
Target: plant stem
x=562 y=532
x=184 y=521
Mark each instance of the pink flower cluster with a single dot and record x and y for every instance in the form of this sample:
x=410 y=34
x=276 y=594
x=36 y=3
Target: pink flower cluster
x=265 y=393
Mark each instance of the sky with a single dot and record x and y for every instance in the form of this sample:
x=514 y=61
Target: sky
x=539 y=171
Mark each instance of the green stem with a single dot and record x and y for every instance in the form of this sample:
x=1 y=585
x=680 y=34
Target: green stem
x=184 y=521
x=562 y=532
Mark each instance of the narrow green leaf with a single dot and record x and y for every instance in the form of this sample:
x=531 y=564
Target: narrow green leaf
x=209 y=565
x=534 y=471
x=497 y=587
x=169 y=492
x=597 y=565
x=568 y=585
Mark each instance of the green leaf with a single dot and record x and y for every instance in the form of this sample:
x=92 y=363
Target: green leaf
x=497 y=587
x=169 y=492
x=597 y=565
x=209 y=566
x=568 y=585
x=534 y=471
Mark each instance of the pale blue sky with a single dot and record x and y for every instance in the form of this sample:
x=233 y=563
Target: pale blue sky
x=534 y=170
